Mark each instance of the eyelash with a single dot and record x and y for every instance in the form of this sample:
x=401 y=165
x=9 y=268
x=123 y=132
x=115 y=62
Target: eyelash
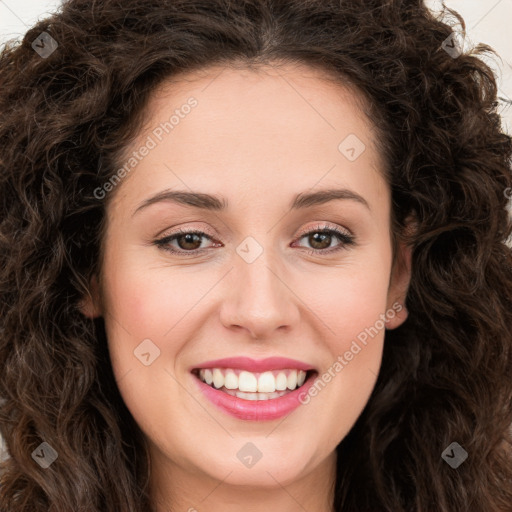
x=345 y=239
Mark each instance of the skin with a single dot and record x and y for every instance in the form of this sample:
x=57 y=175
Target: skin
x=257 y=138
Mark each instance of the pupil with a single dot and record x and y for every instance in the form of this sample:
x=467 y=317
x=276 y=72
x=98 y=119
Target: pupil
x=188 y=237
x=323 y=237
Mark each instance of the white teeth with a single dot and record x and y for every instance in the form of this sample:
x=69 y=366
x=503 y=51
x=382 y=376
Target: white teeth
x=231 y=380
x=208 y=376
x=250 y=396
x=292 y=380
x=218 y=378
x=281 y=381
x=266 y=383
x=247 y=382
x=255 y=396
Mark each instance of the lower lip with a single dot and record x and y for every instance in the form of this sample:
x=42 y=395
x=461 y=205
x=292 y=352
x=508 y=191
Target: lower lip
x=256 y=410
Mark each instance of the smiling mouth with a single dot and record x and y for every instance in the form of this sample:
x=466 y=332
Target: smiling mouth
x=247 y=385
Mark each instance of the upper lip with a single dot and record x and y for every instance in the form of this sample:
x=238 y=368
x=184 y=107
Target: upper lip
x=255 y=365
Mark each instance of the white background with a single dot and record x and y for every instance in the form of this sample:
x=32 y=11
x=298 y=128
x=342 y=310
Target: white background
x=486 y=22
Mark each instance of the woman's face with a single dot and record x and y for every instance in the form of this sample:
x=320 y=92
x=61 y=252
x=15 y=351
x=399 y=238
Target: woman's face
x=267 y=279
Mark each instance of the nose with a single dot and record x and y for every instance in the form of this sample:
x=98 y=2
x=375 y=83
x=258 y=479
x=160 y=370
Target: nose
x=258 y=299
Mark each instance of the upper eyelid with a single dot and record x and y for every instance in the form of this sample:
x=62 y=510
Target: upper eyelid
x=324 y=226
x=321 y=226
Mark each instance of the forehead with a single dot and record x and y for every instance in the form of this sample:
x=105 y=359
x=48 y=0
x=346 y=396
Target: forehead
x=253 y=129
x=264 y=99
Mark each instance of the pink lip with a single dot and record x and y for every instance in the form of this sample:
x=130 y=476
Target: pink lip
x=255 y=410
x=252 y=365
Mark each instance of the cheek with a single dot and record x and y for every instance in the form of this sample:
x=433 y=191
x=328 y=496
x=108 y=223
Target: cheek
x=351 y=307
x=350 y=300
x=142 y=310
x=141 y=307
x=140 y=291
x=352 y=312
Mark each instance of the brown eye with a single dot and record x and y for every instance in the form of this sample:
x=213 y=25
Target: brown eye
x=320 y=240
x=189 y=241
x=184 y=242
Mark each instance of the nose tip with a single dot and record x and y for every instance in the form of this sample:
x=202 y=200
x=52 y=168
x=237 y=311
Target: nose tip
x=259 y=301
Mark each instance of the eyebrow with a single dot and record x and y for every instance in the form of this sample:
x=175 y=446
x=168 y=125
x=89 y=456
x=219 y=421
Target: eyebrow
x=215 y=203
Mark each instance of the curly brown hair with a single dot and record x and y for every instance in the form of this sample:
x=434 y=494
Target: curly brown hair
x=65 y=118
